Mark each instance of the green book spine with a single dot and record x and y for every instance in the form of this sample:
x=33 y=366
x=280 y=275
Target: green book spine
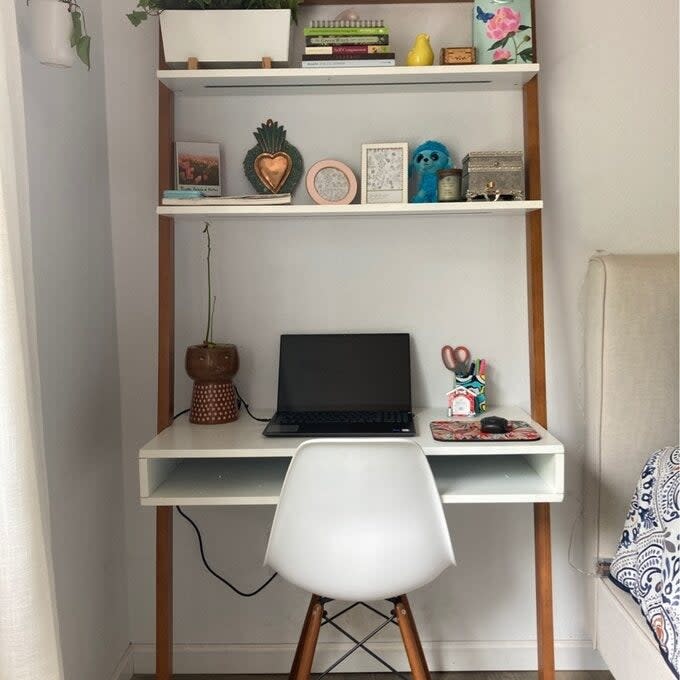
x=314 y=40
x=348 y=49
x=364 y=30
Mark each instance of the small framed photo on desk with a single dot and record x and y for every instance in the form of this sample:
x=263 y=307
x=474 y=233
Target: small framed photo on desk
x=384 y=173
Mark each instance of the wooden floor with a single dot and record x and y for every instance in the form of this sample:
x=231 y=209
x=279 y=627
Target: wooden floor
x=476 y=675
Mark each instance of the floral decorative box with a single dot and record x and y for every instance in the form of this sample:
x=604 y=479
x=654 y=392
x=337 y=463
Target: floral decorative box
x=502 y=31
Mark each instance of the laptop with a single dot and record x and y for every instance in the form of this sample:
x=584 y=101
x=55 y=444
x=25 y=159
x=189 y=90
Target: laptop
x=349 y=385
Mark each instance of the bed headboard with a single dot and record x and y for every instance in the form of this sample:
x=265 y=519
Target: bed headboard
x=631 y=381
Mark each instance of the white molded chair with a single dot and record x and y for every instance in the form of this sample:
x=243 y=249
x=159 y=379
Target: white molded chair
x=359 y=519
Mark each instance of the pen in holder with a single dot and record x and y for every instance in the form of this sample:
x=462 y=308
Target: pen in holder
x=468 y=396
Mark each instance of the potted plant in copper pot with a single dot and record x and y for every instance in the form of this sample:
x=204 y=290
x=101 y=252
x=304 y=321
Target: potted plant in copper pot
x=212 y=366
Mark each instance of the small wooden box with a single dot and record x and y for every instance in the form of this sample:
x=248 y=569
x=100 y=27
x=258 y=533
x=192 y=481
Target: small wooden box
x=457 y=55
x=493 y=175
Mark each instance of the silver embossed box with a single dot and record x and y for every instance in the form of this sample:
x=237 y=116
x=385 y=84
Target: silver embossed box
x=493 y=175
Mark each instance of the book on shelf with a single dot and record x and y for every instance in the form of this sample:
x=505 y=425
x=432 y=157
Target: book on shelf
x=348 y=49
x=348 y=63
x=346 y=23
x=324 y=40
x=356 y=31
x=348 y=57
x=246 y=199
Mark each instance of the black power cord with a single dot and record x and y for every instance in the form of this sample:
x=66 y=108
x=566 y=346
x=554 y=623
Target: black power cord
x=247 y=408
x=212 y=571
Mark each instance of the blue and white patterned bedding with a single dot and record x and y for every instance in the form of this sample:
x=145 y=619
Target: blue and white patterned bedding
x=647 y=562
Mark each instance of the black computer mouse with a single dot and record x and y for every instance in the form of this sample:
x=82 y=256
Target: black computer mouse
x=494 y=425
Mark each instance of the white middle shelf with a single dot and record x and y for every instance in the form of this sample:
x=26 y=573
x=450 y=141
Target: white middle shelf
x=282 y=211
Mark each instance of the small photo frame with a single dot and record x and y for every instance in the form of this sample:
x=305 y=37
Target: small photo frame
x=331 y=182
x=197 y=167
x=384 y=173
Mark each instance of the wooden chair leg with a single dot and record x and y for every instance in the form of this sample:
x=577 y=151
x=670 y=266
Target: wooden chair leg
x=302 y=665
x=409 y=634
x=303 y=634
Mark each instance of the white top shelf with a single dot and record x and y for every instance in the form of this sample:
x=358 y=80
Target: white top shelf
x=244 y=439
x=462 y=208
x=475 y=78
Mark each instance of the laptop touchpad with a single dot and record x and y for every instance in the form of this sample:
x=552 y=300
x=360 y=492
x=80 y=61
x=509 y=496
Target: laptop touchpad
x=287 y=428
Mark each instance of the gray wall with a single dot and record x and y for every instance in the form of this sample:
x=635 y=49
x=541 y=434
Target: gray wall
x=76 y=324
x=610 y=178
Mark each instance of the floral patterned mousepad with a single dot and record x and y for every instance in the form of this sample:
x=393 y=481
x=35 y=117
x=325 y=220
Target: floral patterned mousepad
x=470 y=431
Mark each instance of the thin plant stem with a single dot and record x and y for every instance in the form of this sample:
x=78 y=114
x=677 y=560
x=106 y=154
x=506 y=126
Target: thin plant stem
x=212 y=320
x=211 y=306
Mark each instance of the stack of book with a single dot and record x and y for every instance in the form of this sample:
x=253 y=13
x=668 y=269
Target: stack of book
x=343 y=43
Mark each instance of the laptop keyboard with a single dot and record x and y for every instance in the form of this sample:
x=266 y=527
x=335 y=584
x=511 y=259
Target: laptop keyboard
x=349 y=417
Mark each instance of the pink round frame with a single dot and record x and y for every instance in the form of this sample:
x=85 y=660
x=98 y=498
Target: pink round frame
x=344 y=169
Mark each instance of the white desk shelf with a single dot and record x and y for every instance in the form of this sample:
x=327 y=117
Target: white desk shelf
x=476 y=78
x=234 y=464
x=355 y=210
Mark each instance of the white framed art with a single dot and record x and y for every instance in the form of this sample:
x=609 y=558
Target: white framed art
x=384 y=173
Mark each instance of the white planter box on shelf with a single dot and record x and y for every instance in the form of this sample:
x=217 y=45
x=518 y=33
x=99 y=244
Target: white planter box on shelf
x=224 y=38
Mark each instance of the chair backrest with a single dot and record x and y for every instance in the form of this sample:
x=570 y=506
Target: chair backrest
x=359 y=519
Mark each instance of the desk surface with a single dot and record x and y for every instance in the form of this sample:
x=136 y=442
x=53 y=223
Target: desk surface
x=243 y=439
x=235 y=465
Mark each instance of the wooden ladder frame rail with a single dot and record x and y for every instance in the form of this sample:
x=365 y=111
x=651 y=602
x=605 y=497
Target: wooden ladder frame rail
x=166 y=336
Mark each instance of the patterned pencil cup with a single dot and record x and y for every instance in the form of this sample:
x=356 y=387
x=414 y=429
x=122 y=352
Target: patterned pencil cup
x=502 y=31
x=468 y=396
x=211 y=367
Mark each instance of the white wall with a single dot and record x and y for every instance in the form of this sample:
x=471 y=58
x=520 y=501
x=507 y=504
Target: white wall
x=76 y=325
x=610 y=180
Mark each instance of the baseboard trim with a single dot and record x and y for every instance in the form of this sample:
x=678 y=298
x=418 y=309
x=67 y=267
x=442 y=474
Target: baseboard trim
x=442 y=656
x=125 y=668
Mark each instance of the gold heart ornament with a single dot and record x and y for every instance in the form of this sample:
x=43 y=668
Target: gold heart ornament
x=273 y=169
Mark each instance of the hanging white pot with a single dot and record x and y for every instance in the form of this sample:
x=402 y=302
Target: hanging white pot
x=51 y=28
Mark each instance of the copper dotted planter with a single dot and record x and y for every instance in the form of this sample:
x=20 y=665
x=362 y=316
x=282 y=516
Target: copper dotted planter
x=212 y=367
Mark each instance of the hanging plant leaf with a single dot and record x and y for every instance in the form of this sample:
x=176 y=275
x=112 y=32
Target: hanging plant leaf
x=83 y=50
x=77 y=28
x=136 y=17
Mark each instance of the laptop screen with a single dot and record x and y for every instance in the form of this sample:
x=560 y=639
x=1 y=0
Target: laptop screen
x=349 y=372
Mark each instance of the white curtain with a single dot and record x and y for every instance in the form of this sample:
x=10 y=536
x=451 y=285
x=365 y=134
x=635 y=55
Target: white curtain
x=29 y=646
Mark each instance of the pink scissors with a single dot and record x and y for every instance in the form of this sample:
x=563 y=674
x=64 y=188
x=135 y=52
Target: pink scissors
x=457 y=359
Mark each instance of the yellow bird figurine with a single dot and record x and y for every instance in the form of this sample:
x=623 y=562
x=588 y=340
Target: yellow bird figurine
x=421 y=53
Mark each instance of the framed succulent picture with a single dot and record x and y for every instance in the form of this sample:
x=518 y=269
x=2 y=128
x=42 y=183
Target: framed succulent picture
x=197 y=166
x=384 y=173
x=331 y=182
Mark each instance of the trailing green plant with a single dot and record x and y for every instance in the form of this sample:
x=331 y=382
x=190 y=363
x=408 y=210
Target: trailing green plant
x=80 y=39
x=148 y=8
x=208 y=341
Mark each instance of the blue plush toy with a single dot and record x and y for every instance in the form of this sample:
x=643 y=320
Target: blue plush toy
x=426 y=160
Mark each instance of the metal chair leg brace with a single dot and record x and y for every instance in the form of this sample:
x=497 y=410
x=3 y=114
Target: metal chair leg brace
x=359 y=644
